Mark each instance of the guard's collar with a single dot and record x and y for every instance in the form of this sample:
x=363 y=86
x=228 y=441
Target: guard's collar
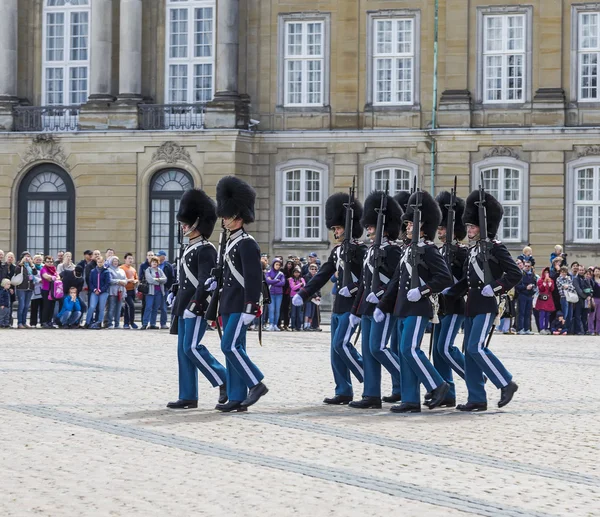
x=197 y=239
x=236 y=234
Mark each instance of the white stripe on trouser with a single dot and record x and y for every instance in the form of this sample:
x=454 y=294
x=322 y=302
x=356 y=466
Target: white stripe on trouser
x=347 y=350
x=447 y=344
x=237 y=354
x=483 y=354
x=197 y=354
x=413 y=351
x=382 y=346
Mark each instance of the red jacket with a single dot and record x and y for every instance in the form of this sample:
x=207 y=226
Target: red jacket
x=545 y=289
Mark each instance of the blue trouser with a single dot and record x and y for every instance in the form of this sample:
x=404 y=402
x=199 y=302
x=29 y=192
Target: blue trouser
x=566 y=309
x=274 y=308
x=344 y=357
x=480 y=360
x=415 y=368
x=446 y=356
x=114 y=310
x=70 y=318
x=193 y=356
x=242 y=373
x=525 y=306
x=96 y=301
x=296 y=318
x=24 y=298
x=576 y=318
x=153 y=304
x=376 y=353
x=163 y=311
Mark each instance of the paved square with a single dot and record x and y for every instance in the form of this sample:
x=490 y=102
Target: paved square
x=85 y=432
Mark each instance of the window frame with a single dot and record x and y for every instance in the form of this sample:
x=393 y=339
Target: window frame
x=280 y=184
x=523 y=168
x=305 y=18
x=387 y=163
x=395 y=14
x=24 y=196
x=65 y=64
x=570 y=206
x=575 y=84
x=480 y=92
x=190 y=61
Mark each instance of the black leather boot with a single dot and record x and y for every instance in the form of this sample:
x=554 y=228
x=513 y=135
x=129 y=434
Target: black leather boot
x=183 y=404
x=223 y=393
x=254 y=394
x=506 y=393
x=472 y=406
x=438 y=395
x=406 y=407
x=232 y=405
x=338 y=400
x=394 y=397
x=366 y=403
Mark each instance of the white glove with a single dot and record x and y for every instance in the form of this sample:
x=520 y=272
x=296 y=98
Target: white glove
x=247 y=318
x=170 y=298
x=372 y=298
x=187 y=315
x=297 y=301
x=345 y=292
x=354 y=320
x=210 y=287
x=414 y=295
x=447 y=290
x=378 y=315
x=487 y=291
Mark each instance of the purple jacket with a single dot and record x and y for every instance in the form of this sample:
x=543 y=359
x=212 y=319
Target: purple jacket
x=276 y=281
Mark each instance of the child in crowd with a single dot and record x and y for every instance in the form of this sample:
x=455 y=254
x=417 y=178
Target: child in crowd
x=559 y=325
x=310 y=307
x=71 y=311
x=296 y=283
x=558 y=252
x=527 y=256
x=5 y=303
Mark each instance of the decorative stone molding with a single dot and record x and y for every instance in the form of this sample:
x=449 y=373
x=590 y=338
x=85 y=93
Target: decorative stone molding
x=45 y=148
x=590 y=150
x=502 y=150
x=171 y=152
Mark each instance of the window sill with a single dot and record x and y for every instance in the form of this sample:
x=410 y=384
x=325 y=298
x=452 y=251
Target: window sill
x=314 y=110
x=502 y=106
x=582 y=246
x=302 y=245
x=392 y=108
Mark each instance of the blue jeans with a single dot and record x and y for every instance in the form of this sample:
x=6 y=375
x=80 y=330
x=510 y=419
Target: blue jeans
x=296 y=319
x=96 y=301
x=70 y=318
x=566 y=308
x=114 y=310
x=24 y=298
x=576 y=321
x=525 y=306
x=274 y=308
x=153 y=304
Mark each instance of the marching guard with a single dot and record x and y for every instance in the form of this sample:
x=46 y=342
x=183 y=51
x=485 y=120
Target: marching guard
x=239 y=302
x=446 y=356
x=382 y=219
x=421 y=273
x=342 y=216
x=197 y=216
x=490 y=271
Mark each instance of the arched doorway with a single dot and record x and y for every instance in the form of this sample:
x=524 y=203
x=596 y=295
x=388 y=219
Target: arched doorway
x=46 y=211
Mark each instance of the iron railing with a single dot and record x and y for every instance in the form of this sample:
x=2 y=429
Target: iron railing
x=172 y=116
x=46 y=118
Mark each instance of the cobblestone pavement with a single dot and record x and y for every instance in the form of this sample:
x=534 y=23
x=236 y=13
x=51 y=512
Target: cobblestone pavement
x=85 y=431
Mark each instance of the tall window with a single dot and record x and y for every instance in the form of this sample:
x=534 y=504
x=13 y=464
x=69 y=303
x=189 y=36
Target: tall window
x=66 y=28
x=302 y=204
x=190 y=51
x=46 y=211
x=505 y=184
x=393 y=61
x=399 y=179
x=166 y=190
x=587 y=204
x=504 y=56
x=304 y=63
x=588 y=53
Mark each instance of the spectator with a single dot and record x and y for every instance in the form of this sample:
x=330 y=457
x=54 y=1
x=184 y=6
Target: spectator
x=311 y=259
x=558 y=253
x=66 y=264
x=116 y=292
x=71 y=311
x=99 y=286
x=296 y=282
x=142 y=276
x=284 y=313
x=87 y=258
x=310 y=306
x=582 y=288
x=132 y=283
x=559 y=327
x=169 y=272
x=594 y=315
x=109 y=253
x=49 y=276
x=35 y=312
x=91 y=265
x=2 y=265
x=72 y=278
x=11 y=267
x=275 y=280
x=59 y=258
x=264 y=261
x=4 y=303
x=527 y=256
x=25 y=289
x=156 y=280
x=545 y=303
x=574 y=269
x=564 y=284
x=589 y=302
x=525 y=291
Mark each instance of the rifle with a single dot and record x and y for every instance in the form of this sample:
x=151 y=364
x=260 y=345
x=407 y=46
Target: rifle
x=416 y=251
x=450 y=248
x=485 y=243
x=347 y=248
x=378 y=253
x=212 y=312
x=174 y=329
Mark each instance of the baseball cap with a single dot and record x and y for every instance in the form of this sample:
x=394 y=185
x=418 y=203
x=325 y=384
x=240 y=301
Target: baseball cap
x=161 y=253
x=312 y=254
x=88 y=252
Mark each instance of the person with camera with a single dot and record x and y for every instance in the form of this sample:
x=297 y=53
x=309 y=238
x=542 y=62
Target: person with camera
x=28 y=274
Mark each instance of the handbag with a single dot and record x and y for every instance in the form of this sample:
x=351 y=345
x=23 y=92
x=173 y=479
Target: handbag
x=57 y=291
x=17 y=279
x=571 y=296
x=143 y=287
x=544 y=297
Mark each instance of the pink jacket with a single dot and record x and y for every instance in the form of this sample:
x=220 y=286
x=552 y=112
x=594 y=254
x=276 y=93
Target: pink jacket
x=545 y=305
x=295 y=285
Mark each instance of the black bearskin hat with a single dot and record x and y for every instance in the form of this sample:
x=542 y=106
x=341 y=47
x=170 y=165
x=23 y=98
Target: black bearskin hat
x=443 y=199
x=194 y=206
x=430 y=213
x=393 y=214
x=235 y=198
x=402 y=199
x=335 y=213
x=494 y=212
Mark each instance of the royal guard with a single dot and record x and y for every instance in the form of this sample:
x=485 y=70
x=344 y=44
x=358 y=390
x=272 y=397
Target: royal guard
x=240 y=296
x=342 y=216
x=489 y=272
x=382 y=220
x=421 y=273
x=197 y=216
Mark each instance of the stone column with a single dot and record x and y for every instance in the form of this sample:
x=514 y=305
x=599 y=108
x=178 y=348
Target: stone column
x=101 y=51
x=228 y=109
x=8 y=61
x=130 y=53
